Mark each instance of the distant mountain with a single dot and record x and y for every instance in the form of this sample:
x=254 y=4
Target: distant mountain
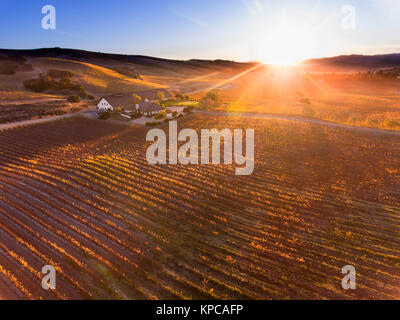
x=354 y=62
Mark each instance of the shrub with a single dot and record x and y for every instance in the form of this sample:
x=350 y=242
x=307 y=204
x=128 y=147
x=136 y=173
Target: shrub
x=160 y=95
x=212 y=95
x=136 y=99
x=188 y=109
x=60 y=112
x=43 y=83
x=206 y=103
x=180 y=96
x=210 y=100
x=74 y=99
x=391 y=123
x=104 y=115
x=128 y=72
x=372 y=121
x=90 y=97
x=160 y=116
x=152 y=124
x=75 y=109
x=36 y=85
x=57 y=74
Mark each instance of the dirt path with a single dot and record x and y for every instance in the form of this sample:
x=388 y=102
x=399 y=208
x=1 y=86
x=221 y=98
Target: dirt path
x=304 y=120
x=90 y=113
x=226 y=114
x=11 y=125
x=29 y=101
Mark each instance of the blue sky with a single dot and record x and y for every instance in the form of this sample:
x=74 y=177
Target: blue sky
x=228 y=29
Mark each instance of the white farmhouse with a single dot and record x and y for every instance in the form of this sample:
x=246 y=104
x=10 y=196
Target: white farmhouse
x=104 y=105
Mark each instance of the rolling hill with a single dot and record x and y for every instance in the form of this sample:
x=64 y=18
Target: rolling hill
x=98 y=72
x=354 y=62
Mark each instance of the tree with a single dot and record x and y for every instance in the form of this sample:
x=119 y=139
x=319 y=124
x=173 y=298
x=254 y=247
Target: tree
x=160 y=95
x=104 y=115
x=210 y=101
x=74 y=99
x=136 y=99
x=212 y=95
x=171 y=94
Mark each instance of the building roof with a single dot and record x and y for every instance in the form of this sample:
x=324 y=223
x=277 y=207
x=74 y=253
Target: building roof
x=120 y=99
x=145 y=106
x=125 y=99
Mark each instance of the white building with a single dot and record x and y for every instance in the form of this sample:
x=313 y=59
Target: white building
x=104 y=105
x=125 y=102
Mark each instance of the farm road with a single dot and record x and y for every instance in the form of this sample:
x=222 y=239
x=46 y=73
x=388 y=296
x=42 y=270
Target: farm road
x=300 y=119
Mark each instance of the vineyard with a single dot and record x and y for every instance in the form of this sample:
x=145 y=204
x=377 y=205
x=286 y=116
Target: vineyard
x=78 y=194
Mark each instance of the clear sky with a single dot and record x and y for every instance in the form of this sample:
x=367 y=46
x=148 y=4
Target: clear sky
x=228 y=29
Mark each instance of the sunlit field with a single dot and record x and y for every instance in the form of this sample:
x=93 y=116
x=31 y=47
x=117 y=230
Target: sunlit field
x=292 y=91
x=79 y=194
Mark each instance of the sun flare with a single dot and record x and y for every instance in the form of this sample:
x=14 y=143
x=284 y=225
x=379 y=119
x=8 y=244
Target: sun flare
x=287 y=42
x=286 y=46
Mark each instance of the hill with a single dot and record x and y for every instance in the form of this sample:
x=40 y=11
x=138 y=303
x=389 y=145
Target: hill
x=354 y=62
x=104 y=73
x=143 y=64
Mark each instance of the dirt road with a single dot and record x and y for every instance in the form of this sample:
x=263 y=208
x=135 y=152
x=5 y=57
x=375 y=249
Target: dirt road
x=88 y=112
x=300 y=119
x=42 y=120
x=34 y=121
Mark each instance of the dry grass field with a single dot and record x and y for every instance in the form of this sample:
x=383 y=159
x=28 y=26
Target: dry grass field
x=291 y=92
x=78 y=194
x=98 y=76
x=95 y=79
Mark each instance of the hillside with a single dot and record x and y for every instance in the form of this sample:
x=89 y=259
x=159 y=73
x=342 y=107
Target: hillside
x=143 y=64
x=97 y=72
x=354 y=62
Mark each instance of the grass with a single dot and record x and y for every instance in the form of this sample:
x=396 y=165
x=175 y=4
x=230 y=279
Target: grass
x=94 y=78
x=17 y=96
x=186 y=103
x=355 y=102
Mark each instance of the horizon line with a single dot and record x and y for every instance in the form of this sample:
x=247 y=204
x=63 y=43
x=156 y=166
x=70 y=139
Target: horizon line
x=205 y=59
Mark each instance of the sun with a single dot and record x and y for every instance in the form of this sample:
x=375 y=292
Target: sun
x=287 y=46
x=286 y=43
